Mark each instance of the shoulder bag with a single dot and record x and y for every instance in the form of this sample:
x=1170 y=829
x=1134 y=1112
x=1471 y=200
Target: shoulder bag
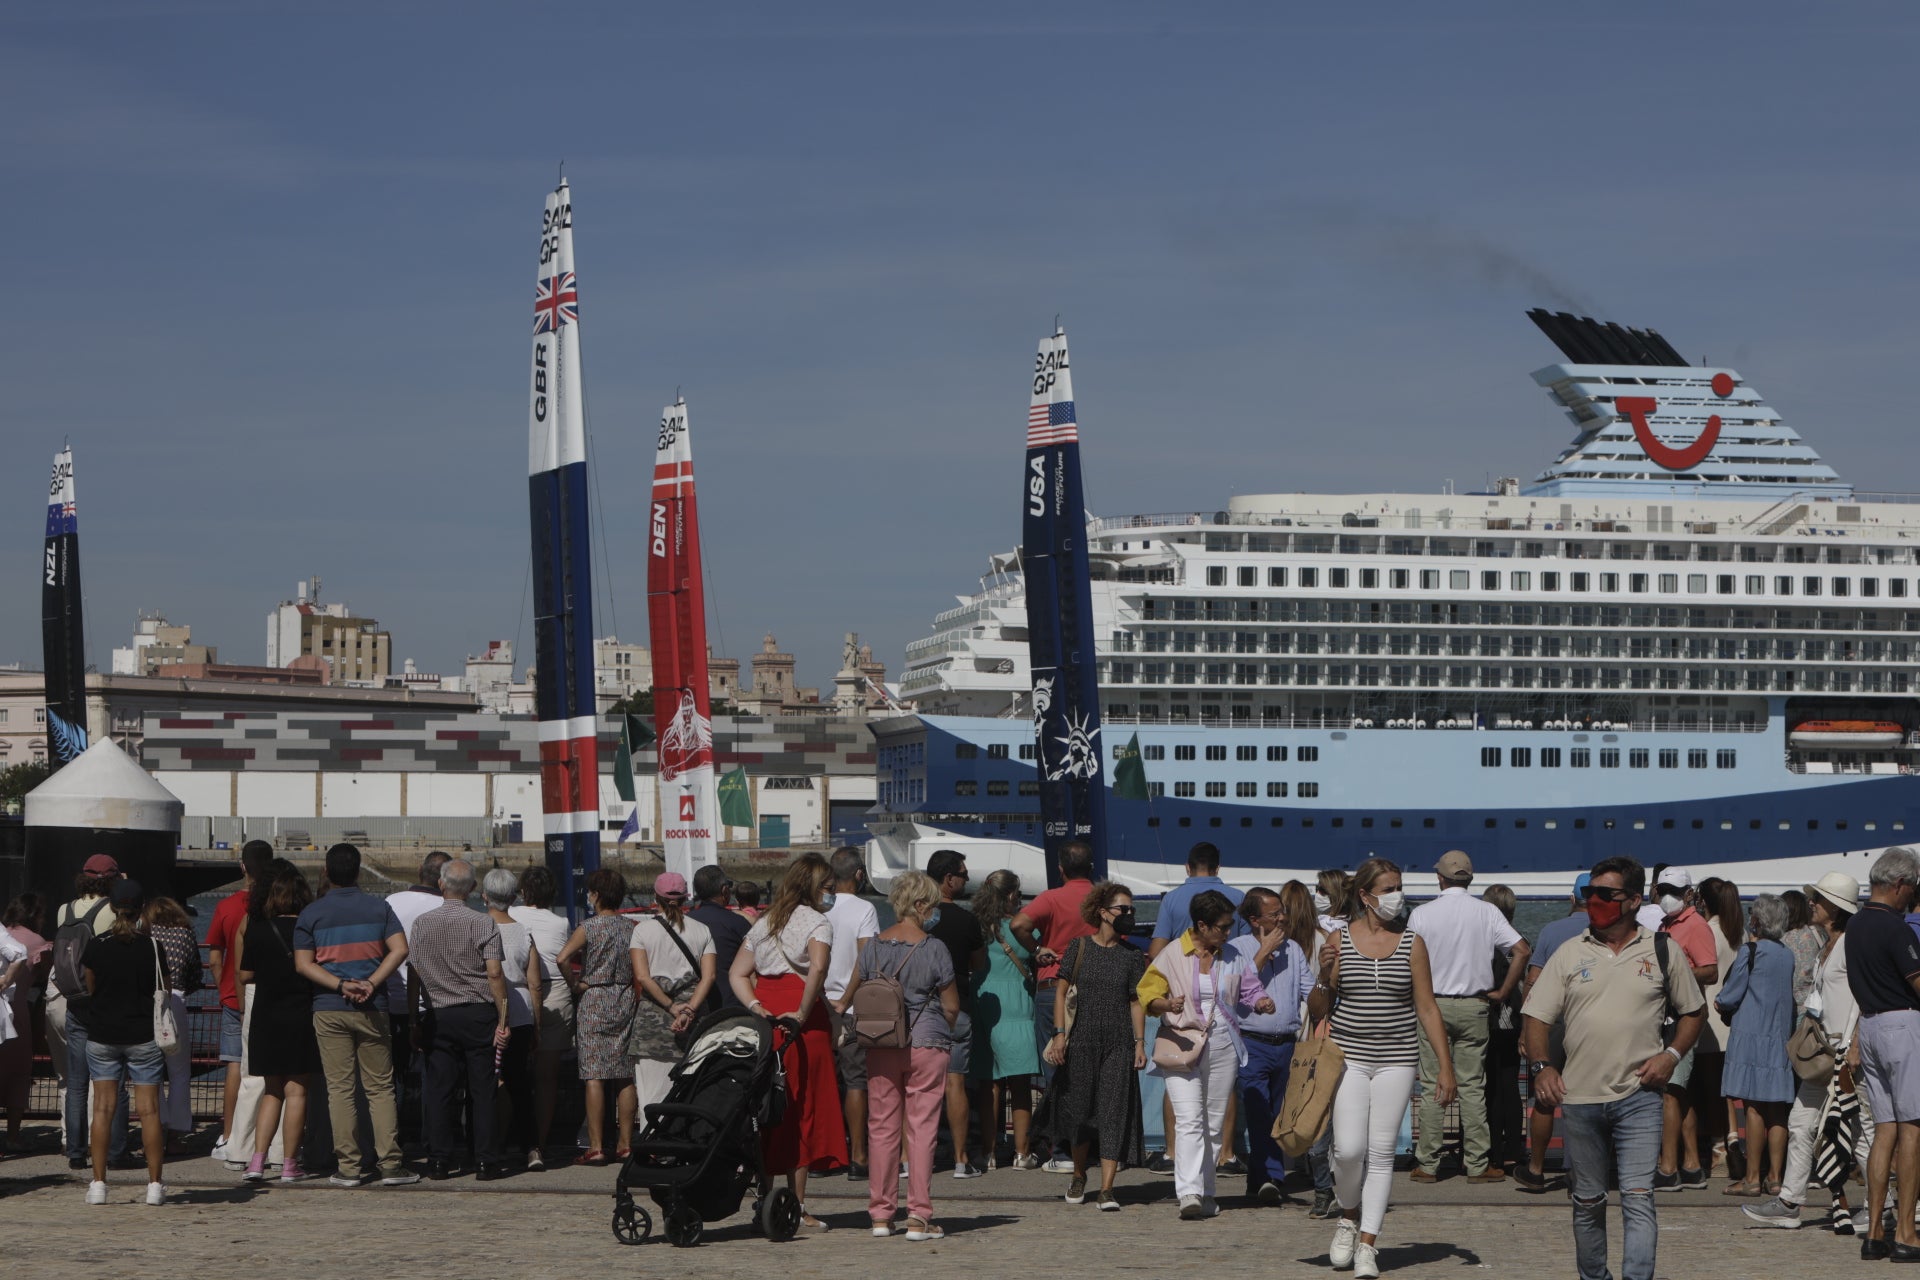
x=166 y=1032
x=1178 y=1048
x=1073 y=986
x=1809 y=1051
x=1308 y=1105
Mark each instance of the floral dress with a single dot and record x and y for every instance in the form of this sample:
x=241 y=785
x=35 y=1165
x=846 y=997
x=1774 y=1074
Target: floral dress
x=605 y=1016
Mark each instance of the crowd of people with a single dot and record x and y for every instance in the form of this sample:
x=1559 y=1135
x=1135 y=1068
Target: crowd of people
x=1648 y=1020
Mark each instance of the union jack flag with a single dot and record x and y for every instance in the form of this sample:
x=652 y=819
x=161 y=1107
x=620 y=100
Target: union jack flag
x=556 y=302
x=1051 y=424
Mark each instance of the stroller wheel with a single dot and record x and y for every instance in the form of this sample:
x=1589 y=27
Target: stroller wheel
x=631 y=1223
x=684 y=1227
x=780 y=1215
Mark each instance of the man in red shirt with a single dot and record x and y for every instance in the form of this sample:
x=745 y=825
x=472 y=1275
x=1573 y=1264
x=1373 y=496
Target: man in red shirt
x=1050 y=921
x=1680 y=1118
x=255 y=857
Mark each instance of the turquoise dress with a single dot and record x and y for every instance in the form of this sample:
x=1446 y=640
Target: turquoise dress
x=1003 y=1034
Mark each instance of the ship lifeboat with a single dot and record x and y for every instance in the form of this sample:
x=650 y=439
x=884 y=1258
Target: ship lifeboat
x=1846 y=733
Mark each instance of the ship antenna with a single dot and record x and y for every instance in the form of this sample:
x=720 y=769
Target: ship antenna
x=561 y=181
x=1056 y=322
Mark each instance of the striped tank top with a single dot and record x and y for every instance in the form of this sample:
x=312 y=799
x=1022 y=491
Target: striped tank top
x=1374 y=1021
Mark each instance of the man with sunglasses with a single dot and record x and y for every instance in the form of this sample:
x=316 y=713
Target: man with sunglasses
x=1611 y=989
x=712 y=887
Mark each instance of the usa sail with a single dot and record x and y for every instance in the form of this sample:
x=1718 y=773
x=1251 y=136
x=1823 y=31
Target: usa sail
x=62 y=635
x=562 y=581
x=677 y=628
x=1066 y=695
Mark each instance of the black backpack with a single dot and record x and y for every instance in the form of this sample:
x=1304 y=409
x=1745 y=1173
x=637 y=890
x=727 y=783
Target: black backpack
x=69 y=943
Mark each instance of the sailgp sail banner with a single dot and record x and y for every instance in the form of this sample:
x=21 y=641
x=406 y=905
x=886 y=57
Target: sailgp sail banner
x=62 y=635
x=677 y=631
x=1066 y=695
x=562 y=567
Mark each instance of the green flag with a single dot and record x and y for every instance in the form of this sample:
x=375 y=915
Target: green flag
x=736 y=802
x=634 y=736
x=1130 y=773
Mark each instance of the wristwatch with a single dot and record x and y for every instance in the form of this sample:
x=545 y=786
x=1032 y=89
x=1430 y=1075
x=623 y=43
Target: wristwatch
x=1536 y=1066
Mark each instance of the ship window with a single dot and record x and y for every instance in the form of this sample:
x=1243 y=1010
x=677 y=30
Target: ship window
x=1119 y=750
x=1337 y=579
x=1520 y=757
x=1277 y=577
x=1669 y=758
x=1786 y=826
x=1309 y=576
x=965 y=750
x=1276 y=822
x=1639 y=824
x=1216 y=753
x=1339 y=822
x=1697 y=583
x=1029 y=787
x=1306 y=822
x=1459 y=579
x=1154 y=752
x=1307 y=755
x=1899 y=826
x=1395 y=823
x=1489 y=757
x=966 y=787
x=1697 y=758
x=1549 y=757
x=1369 y=579
x=1609 y=757
x=1582 y=582
x=1216 y=790
x=1842 y=586
x=1248 y=576
x=1756 y=584
x=1183 y=752
x=1308 y=791
x=1492 y=823
x=1246 y=822
x=1549 y=582
x=1520 y=824
x=1153 y=822
x=1637 y=582
x=1609 y=582
x=1666 y=824
x=1869 y=586
x=996 y=751
x=1216 y=575
x=1427 y=823
x=1027 y=751
x=1580 y=758
x=1246 y=753
x=1840 y=824
x=1489 y=579
x=1276 y=753
x=1813 y=824
x=1156 y=790
x=1809 y=586
x=1520 y=580
x=1783 y=585
x=997 y=787
x=1399 y=579
x=1183 y=790
x=1669 y=583
x=1186 y=822
x=1579 y=824
x=1429 y=579
x=1637 y=758
x=1896 y=586
x=1276 y=791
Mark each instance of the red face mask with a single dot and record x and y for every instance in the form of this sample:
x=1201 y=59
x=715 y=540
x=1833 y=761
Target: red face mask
x=1603 y=913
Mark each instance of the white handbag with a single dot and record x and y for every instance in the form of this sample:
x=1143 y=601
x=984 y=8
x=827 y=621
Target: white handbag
x=166 y=1032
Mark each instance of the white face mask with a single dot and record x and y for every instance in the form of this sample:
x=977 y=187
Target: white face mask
x=1321 y=902
x=1390 y=906
x=1671 y=905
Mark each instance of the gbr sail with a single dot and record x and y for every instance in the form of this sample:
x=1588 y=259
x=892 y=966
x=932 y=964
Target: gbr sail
x=677 y=629
x=1066 y=694
x=62 y=635
x=562 y=582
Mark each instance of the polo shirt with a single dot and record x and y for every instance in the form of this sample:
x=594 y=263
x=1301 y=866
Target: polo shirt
x=222 y=933
x=1056 y=916
x=449 y=949
x=1612 y=1007
x=1555 y=934
x=1695 y=936
x=347 y=932
x=1882 y=954
x=1176 y=908
x=1462 y=932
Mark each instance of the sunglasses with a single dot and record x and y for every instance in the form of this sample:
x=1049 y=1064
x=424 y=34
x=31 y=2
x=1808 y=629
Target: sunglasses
x=1607 y=895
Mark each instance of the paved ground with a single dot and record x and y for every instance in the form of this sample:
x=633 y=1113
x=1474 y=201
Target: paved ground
x=556 y=1224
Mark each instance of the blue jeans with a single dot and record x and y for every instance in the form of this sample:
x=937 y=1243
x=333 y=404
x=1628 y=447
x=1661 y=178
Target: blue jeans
x=1263 y=1087
x=1043 y=1025
x=1320 y=1161
x=1613 y=1142
x=78 y=1102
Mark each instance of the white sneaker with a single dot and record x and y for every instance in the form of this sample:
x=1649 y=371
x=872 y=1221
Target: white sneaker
x=96 y=1193
x=1346 y=1236
x=156 y=1193
x=219 y=1151
x=1209 y=1207
x=1058 y=1164
x=882 y=1229
x=1366 y=1263
x=1191 y=1209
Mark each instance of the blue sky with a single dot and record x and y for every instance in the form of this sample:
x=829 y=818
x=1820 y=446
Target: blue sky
x=272 y=265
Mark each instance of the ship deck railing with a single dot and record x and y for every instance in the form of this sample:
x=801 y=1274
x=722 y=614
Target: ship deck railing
x=1492 y=726
x=1857 y=768
x=1819 y=521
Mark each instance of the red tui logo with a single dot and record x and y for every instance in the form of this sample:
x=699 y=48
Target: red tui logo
x=1638 y=409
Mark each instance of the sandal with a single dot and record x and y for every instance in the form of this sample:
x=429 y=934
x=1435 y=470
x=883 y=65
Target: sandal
x=918 y=1230
x=1747 y=1190
x=595 y=1158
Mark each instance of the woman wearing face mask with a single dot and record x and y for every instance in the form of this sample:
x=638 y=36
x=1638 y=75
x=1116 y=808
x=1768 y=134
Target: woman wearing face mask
x=1376 y=983
x=1332 y=899
x=1097 y=1093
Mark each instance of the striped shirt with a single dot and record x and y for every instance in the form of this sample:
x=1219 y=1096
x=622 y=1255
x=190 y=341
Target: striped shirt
x=1374 y=1021
x=347 y=932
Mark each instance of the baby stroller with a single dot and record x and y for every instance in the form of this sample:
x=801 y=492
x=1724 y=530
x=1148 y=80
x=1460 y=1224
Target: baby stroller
x=700 y=1149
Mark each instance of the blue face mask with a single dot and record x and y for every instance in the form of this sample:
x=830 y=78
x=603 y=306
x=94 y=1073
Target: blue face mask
x=827 y=900
x=933 y=918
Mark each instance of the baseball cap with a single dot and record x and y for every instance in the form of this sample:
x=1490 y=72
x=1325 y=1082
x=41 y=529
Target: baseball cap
x=1455 y=865
x=1677 y=877
x=128 y=893
x=101 y=864
x=1580 y=883
x=670 y=884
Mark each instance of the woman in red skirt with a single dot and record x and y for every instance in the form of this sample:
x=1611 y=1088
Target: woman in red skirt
x=778 y=972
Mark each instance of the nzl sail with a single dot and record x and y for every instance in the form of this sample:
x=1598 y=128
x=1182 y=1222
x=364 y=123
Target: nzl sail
x=62 y=637
x=1066 y=694
x=562 y=583
x=677 y=628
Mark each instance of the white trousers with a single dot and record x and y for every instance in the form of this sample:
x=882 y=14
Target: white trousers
x=651 y=1082
x=252 y=1089
x=1367 y=1110
x=176 y=1107
x=1803 y=1134
x=1199 y=1099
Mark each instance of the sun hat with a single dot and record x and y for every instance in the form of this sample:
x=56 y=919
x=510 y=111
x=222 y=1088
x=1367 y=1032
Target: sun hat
x=1839 y=889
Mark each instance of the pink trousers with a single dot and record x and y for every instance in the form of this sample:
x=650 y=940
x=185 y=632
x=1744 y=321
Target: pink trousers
x=905 y=1089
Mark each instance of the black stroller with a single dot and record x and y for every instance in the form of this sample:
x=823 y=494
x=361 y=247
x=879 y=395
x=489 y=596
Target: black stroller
x=700 y=1149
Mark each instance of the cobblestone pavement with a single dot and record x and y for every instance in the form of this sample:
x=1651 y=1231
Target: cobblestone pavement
x=557 y=1224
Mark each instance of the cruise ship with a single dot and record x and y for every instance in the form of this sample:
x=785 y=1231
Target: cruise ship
x=1688 y=640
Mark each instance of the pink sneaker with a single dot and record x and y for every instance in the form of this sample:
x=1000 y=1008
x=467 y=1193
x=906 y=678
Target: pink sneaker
x=290 y=1171
x=256 y=1167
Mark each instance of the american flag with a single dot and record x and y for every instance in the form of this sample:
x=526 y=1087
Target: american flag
x=1051 y=424
x=556 y=302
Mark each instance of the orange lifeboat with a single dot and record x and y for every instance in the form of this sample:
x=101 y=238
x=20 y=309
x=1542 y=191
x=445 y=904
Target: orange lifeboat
x=1846 y=733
